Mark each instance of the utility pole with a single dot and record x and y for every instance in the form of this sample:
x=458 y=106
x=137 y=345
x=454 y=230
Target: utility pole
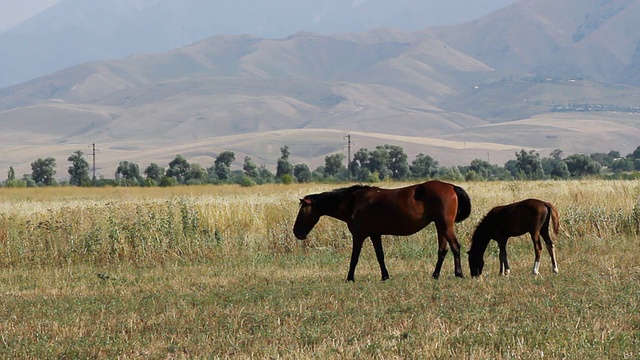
x=93 y=153
x=349 y=155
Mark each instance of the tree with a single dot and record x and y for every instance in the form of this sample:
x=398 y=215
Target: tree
x=398 y=162
x=220 y=171
x=580 y=165
x=222 y=165
x=606 y=160
x=333 y=164
x=196 y=174
x=250 y=168
x=284 y=167
x=43 y=171
x=622 y=164
x=302 y=173
x=266 y=176
x=12 y=181
x=154 y=172
x=225 y=157
x=359 y=166
x=178 y=168
x=555 y=168
x=79 y=169
x=556 y=154
x=528 y=165
x=128 y=173
x=423 y=166
x=482 y=168
x=379 y=162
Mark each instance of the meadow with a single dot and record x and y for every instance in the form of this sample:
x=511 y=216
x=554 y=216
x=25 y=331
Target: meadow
x=215 y=272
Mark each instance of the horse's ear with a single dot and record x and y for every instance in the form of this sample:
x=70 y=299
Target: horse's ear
x=305 y=202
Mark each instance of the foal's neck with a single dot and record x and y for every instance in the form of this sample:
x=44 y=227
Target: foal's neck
x=479 y=244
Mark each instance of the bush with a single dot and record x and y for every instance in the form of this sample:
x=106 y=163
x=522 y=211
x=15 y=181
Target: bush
x=287 y=179
x=168 y=181
x=246 y=181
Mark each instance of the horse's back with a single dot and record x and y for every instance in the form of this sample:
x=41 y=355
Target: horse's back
x=520 y=217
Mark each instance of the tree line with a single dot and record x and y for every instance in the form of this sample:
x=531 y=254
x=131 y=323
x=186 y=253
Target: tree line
x=385 y=162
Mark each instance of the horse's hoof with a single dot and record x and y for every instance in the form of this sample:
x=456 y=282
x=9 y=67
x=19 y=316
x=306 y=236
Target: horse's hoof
x=435 y=276
x=555 y=271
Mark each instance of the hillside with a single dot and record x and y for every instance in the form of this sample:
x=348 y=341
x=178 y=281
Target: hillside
x=573 y=38
x=449 y=92
x=76 y=31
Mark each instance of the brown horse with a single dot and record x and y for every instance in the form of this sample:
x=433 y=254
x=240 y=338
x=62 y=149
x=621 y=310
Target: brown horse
x=502 y=222
x=372 y=212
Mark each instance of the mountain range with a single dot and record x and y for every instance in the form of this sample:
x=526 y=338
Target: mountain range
x=536 y=74
x=76 y=31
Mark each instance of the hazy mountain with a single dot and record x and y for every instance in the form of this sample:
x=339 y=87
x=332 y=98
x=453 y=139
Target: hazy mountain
x=575 y=38
x=13 y=12
x=433 y=91
x=76 y=31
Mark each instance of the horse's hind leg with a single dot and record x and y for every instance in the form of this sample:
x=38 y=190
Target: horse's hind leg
x=550 y=249
x=355 y=255
x=537 y=248
x=442 y=253
x=447 y=236
x=377 y=245
x=504 y=264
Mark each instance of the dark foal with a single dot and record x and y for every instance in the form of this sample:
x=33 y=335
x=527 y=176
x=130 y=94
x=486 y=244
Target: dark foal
x=502 y=222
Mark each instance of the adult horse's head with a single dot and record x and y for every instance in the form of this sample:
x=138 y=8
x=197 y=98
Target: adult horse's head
x=307 y=218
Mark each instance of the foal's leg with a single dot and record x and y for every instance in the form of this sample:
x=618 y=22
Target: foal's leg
x=550 y=248
x=537 y=248
x=355 y=255
x=377 y=245
x=504 y=264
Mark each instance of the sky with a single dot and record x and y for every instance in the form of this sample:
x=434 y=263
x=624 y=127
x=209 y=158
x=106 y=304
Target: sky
x=13 y=12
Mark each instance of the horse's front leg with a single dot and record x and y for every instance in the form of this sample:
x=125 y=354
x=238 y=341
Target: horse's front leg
x=355 y=255
x=504 y=264
x=377 y=245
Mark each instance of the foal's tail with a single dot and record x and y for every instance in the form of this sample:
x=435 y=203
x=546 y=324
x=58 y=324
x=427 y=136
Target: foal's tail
x=464 y=203
x=553 y=214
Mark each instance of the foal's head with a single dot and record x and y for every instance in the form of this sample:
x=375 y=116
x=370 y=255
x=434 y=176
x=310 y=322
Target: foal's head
x=476 y=263
x=479 y=241
x=307 y=218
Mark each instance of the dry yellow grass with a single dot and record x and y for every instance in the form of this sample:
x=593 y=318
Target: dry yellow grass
x=215 y=272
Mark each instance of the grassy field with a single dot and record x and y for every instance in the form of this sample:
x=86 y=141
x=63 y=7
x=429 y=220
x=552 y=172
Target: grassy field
x=215 y=272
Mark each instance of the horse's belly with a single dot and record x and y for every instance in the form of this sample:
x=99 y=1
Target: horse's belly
x=399 y=228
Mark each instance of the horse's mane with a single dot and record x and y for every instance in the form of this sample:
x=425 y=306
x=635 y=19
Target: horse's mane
x=482 y=228
x=334 y=197
x=349 y=190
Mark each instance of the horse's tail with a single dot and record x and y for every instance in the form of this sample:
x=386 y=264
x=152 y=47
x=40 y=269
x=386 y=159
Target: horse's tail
x=464 y=203
x=555 y=219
